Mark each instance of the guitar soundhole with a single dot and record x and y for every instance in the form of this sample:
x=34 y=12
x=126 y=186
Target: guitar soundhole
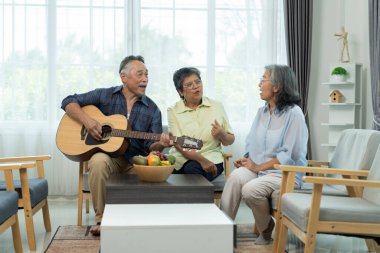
x=106 y=132
x=106 y=135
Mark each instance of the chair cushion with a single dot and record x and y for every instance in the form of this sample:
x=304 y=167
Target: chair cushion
x=9 y=204
x=373 y=193
x=361 y=142
x=308 y=189
x=218 y=183
x=296 y=207
x=38 y=188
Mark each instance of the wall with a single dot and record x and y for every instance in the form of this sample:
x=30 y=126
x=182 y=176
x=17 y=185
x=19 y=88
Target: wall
x=328 y=17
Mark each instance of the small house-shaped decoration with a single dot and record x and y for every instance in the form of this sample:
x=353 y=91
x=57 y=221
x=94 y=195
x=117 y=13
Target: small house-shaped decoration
x=336 y=96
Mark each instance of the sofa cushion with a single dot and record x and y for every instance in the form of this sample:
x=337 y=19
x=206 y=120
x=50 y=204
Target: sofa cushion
x=361 y=142
x=9 y=204
x=296 y=207
x=38 y=188
x=218 y=183
x=307 y=188
x=373 y=193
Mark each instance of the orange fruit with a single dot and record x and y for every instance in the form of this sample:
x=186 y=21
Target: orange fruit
x=153 y=160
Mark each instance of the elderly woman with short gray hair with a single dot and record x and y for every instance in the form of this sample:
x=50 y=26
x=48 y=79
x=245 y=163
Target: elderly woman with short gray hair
x=202 y=118
x=278 y=135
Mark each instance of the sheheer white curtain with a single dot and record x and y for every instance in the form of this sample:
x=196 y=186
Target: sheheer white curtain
x=49 y=49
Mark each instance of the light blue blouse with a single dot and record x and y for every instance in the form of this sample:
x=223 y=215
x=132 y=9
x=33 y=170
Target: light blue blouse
x=279 y=135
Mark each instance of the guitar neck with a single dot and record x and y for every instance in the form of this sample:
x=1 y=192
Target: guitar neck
x=138 y=135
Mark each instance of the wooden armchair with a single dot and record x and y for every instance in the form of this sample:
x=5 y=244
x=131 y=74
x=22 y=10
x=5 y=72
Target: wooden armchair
x=355 y=149
x=220 y=180
x=32 y=193
x=9 y=204
x=307 y=215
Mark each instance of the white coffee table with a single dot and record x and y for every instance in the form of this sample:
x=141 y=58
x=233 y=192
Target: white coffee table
x=166 y=228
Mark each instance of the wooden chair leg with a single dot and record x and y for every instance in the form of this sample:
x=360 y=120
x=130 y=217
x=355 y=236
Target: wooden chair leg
x=217 y=197
x=311 y=230
x=16 y=236
x=217 y=202
x=87 y=205
x=46 y=216
x=310 y=242
x=79 y=210
x=28 y=211
x=277 y=233
x=80 y=193
x=372 y=245
x=30 y=229
x=282 y=238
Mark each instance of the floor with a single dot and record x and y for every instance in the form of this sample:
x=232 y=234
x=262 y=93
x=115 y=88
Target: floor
x=63 y=211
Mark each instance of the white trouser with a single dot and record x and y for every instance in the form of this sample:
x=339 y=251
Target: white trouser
x=255 y=191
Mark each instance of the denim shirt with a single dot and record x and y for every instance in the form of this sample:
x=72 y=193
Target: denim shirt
x=145 y=116
x=282 y=135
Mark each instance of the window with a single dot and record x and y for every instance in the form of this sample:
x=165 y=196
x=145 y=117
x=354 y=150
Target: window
x=53 y=48
x=50 y=49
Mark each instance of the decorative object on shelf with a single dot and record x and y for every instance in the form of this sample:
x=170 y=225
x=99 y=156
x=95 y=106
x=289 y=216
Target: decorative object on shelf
x=339 y=74
x=345 y=111
x=343 y=35
x=336 y=96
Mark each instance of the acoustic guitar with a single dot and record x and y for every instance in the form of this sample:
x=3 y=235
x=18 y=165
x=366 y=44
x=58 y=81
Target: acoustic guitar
x=75 y=142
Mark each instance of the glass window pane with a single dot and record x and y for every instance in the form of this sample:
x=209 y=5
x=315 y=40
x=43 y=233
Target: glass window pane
x=72 y=2
x=73 y=37
x=107 y=35
x=231 y=38
x=157 y=3
x=23 y=86
x=191 y=4
x=193 y=34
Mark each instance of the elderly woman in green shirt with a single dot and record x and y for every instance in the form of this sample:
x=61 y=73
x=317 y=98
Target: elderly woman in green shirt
x=199 y=117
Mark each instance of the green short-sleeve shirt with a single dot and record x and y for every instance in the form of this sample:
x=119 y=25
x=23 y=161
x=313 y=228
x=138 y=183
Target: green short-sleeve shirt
x=196 y=123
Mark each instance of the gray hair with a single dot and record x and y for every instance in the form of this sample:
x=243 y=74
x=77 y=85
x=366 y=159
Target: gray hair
x=284 y=77
x=180 y=75
x=124 y=64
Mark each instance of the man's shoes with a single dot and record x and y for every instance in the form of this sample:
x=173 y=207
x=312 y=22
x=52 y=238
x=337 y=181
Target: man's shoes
x=265 y=237
x=95 y=230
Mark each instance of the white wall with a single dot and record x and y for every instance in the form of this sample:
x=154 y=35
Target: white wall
x=328 y=17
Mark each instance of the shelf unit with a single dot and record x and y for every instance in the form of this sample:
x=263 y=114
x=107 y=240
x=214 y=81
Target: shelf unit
x=348 y=113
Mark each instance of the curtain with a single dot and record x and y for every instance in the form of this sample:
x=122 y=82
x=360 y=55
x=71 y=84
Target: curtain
x=50 y=49
x=374 y=52
x=298 y=32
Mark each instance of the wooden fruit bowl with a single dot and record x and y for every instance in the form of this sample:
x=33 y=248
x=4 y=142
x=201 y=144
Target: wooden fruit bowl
x=153 y=173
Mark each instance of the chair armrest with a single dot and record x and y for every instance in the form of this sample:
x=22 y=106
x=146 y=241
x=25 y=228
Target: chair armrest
x=315 y=163
x=227 y=157
x=38 y=159
x=346 y=172
x=8 y=175
x=24 y=158
x=289 y=172
x=16 y=166
x=342 y=181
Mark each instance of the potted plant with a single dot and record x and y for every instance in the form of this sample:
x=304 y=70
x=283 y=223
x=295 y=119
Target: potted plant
x=339 y=74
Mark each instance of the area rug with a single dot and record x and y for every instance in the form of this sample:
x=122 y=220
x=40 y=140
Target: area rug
x=74 y=239
x=78 y=239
